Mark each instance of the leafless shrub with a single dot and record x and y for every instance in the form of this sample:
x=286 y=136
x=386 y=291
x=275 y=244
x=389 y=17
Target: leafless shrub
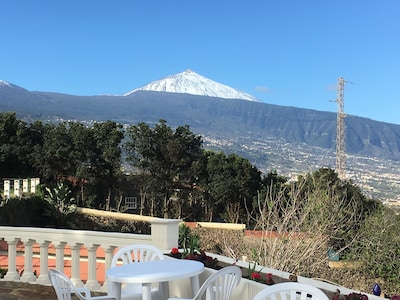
x=298 y=227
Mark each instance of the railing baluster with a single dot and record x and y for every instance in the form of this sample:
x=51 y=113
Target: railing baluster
x=44 y=263
x=60 y=246
x=92 y=282
x=108 y=256
x=28 y=275
x=75 y=264
x=12 y=273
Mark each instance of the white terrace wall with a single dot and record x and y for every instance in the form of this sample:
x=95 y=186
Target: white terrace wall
x=164 y=235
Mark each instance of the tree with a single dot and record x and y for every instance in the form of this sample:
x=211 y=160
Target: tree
x=106 y=162
x=55 y=160
x=247 y=180
x=164 y=157
x=231 y=184
x=34 y=145
x=13 y=160
x=84 y=155
x=326 y=181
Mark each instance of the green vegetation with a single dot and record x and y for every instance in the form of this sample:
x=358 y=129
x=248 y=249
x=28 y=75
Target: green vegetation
x=378 y=247
x=172 y=176
x=62 y=207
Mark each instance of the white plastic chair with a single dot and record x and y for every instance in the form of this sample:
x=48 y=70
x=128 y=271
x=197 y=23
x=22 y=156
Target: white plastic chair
x=64 y=288
x=137 y=253
x=218 y=286
x=291 y=291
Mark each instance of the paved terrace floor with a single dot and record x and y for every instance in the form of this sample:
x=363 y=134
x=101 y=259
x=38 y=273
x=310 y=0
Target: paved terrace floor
x=25 y=291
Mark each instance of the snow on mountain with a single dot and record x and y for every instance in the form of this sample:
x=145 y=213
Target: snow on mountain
x=8 y=86
x=5 y=83
x=190 y=82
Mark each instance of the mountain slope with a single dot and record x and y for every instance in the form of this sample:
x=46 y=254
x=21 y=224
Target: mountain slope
x=287 y=139
x=215 y=117
x=189 y=82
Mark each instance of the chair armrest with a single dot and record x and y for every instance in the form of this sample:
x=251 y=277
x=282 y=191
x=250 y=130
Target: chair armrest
x=84 y=291
x=88 y=295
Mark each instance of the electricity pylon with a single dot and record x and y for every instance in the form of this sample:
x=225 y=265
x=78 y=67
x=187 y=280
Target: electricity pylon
x=340 y=128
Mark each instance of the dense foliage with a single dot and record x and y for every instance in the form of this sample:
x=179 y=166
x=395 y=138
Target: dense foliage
x=378 y=247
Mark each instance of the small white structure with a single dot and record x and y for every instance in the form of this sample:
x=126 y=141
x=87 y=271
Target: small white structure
x=25 y=186
x=7 y=186
x=17 y=183
x=20 y=187
x=34 y=183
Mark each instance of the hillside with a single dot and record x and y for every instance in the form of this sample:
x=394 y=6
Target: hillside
x=288 y=139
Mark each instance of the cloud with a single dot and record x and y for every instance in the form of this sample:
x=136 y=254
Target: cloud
x=262 y=89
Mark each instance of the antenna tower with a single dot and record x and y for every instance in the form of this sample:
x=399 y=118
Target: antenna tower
x=340 y=143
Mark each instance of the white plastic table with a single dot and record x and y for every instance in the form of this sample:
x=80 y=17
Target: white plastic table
x=150 y=272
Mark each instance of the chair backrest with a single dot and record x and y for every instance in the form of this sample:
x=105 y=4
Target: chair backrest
x=219 y=286
x=291 y=291
x=63 y=286
x=137 y=253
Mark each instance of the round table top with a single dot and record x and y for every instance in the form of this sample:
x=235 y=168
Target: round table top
x=155 y=271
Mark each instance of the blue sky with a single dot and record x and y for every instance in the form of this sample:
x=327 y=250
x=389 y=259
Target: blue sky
x=285 y=52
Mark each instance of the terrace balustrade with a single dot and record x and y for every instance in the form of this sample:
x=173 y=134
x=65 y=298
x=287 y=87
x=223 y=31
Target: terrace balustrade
x=63 y=245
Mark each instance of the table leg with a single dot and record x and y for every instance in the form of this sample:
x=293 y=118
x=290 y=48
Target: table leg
x=165 y=289
x=194 y=281
x=146 y=291
x=114 y=289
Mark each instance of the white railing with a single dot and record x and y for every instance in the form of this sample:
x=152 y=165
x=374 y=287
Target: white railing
x=67 y=245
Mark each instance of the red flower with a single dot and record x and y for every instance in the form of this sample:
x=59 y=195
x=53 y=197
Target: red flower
x=268 y=279
x=174 y=251
x=255 y=276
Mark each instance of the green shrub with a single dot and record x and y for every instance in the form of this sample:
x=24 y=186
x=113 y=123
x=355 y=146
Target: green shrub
x=25 y=212
x=378 y=247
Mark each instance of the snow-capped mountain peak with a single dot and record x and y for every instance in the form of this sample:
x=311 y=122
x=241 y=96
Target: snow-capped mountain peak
x=5 y=83
x=190 y=82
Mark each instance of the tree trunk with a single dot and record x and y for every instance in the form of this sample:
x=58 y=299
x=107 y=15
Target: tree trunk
x=142 y=200
x=82 y=193
x=108 y=200
x=165 y=208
